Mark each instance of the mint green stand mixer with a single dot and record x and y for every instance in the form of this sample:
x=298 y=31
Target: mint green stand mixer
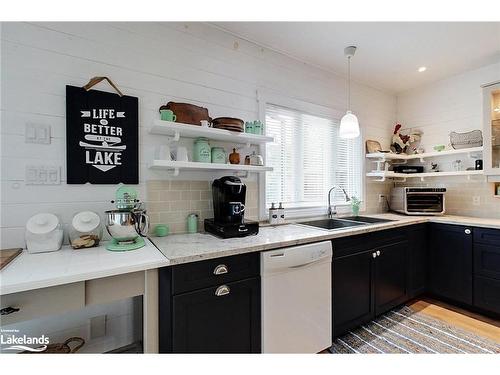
x=129 y=223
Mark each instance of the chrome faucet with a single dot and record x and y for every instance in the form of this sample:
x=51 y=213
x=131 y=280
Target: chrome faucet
x=333 y=212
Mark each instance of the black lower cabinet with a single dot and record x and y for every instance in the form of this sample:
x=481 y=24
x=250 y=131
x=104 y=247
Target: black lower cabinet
x=369 y=282
x=390 y=276
x=450 y=262
x=352 y=291
x=417 y=260
x=204 y=322
x=487 y=294
x=213 y=306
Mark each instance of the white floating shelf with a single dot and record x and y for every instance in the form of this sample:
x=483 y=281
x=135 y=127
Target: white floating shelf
x=177 y=130
x=177 y=166
x=385 y=156
x=383 y=175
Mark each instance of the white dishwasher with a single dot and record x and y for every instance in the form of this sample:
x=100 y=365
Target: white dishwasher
x=297 y=299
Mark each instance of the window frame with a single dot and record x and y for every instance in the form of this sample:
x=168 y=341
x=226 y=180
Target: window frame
x=265 y=97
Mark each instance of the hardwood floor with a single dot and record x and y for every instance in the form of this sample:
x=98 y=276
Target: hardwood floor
x=466 y=320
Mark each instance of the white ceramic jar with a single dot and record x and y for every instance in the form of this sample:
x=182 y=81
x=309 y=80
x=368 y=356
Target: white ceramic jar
x=44 y=233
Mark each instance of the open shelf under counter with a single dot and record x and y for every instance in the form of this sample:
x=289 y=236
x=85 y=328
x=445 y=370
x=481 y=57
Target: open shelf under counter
x=386 y=156
x=383 y=175
x=178 y=130
x=177 y=166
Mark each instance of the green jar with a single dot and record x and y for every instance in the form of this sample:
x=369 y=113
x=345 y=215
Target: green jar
x=201 y=151
x=218 y=155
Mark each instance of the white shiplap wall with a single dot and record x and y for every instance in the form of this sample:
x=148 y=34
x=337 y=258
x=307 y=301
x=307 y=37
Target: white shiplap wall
x=441 y=107
x=157 y=62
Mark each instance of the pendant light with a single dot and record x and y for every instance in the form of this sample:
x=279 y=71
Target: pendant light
x=349 y=124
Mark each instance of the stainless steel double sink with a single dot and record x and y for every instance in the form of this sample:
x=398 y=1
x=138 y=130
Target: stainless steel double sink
x=345 y=222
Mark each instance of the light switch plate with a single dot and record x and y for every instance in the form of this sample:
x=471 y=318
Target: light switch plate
x=37 y=133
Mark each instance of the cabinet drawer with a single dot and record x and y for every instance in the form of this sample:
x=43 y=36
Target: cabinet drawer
x=45 y=301
x=487 y=294
x=487 y=260
x=364 y=242
x=192 y=276
x=487 y=236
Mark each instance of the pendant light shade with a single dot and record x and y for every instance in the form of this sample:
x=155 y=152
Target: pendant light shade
x=349 y=124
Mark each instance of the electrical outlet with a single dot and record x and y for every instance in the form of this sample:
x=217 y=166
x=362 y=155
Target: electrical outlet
x=381 y=198
x=476 y=200
x=37 y=133
x=97 y=327
x=43 y=175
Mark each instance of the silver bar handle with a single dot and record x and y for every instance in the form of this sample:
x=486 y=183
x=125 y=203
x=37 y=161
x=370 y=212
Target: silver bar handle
x=222 y=291
x=221 y=269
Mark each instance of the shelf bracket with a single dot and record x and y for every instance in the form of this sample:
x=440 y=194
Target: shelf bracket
x=174 y=172
x=242 y=174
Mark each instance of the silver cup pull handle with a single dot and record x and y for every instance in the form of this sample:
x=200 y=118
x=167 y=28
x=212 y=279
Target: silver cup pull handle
x=222 y=291
x=221 y=269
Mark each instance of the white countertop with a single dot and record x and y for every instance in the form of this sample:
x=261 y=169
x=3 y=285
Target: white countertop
x=185 y=248
x=467 y=220
x=34 y=271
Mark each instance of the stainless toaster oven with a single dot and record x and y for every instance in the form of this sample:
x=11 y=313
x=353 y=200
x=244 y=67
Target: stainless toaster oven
x=418 y=200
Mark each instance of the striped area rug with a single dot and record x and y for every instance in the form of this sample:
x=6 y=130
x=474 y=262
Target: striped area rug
x=403 y=330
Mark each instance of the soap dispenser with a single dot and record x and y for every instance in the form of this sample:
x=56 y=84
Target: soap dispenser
x=273 y=215
x=281 y=214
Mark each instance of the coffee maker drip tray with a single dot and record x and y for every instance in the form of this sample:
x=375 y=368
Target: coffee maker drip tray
x=247 y=228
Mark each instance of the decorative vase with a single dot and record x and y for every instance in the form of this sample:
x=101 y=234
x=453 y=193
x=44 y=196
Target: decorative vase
x=234 y=157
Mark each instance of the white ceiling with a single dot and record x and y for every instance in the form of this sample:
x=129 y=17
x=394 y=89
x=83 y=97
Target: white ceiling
x=388 y=54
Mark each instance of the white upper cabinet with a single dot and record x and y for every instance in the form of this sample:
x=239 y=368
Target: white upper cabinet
x=491 y=119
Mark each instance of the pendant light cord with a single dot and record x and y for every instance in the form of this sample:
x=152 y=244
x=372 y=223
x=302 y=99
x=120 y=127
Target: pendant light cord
x=349 y=83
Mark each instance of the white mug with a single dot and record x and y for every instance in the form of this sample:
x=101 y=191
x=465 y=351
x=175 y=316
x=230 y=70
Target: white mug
x=204 y=123
x=163 y=152
x=182 y=154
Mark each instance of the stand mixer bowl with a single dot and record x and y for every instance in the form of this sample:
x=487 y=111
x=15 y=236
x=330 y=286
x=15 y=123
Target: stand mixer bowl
x=126 y=226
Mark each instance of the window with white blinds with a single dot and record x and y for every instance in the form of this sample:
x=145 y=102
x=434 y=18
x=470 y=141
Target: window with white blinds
x=308 y=158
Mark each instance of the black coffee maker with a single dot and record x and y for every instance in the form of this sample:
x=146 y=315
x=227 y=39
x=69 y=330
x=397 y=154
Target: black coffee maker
x=229 y=209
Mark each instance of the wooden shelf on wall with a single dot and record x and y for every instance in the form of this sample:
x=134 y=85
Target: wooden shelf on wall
x=179 y=130
x=177 y=166
x=383 y=175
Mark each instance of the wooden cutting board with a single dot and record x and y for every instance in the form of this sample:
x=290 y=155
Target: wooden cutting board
x=8 y=255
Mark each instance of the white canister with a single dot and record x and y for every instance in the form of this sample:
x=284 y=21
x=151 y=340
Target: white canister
x=44 y=233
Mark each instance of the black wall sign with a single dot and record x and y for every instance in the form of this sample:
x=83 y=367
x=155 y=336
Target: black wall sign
x=102 y=137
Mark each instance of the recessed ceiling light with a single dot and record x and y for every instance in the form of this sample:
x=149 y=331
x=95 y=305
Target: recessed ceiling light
x=422 y=69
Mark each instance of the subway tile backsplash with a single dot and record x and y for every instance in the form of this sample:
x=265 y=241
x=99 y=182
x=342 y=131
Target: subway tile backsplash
x=170 y=202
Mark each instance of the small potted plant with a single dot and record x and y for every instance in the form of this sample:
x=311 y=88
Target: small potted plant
x=355 y=205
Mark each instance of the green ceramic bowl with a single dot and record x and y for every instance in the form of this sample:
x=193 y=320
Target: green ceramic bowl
x=439 y=148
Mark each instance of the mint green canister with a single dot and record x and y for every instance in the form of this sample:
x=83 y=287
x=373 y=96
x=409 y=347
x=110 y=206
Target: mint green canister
x=192 y=223
x=201 y=151
x=218 y=155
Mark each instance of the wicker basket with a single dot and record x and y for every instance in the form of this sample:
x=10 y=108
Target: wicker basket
x=61 y=348
x=466 y=140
